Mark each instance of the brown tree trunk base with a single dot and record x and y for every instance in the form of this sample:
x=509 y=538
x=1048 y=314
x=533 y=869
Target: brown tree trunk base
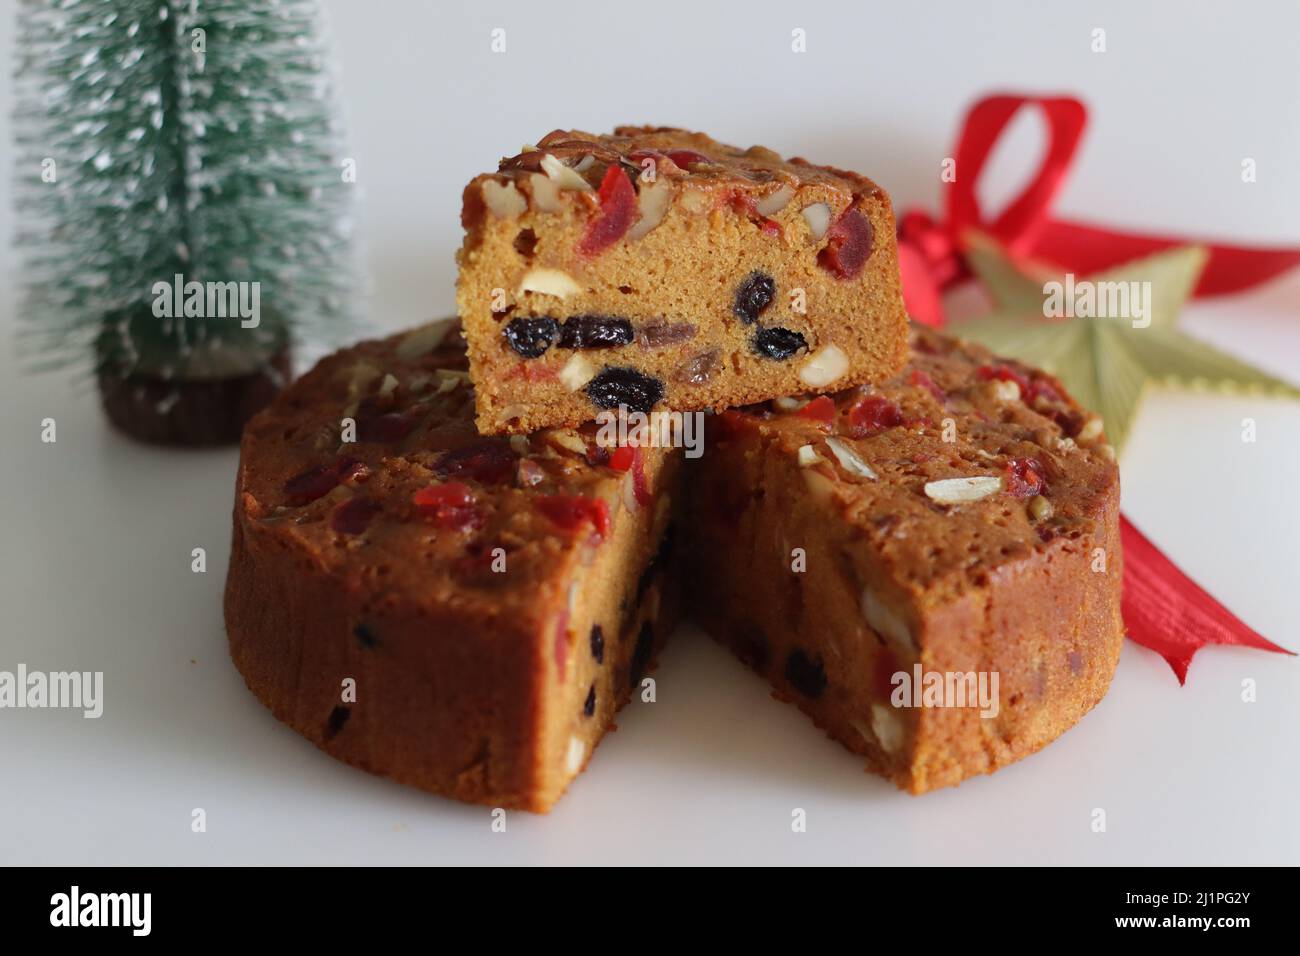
x=190 y=413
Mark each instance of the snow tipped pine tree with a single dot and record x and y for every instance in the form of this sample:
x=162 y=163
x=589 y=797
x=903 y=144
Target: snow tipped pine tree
x=183 y=203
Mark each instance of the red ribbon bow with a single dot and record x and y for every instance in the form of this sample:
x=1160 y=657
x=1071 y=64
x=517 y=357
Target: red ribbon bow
x=1163 y=608
x=930 y=253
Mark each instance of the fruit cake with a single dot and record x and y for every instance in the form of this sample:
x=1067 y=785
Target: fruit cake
x=962 y=518
x=457 y=612
x=657 y=267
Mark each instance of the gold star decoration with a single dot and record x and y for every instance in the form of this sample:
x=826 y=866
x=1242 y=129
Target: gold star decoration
x=1108 y=336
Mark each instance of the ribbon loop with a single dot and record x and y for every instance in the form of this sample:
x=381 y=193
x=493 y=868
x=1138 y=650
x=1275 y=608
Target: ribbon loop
x=1019 y=225
x=931 y=251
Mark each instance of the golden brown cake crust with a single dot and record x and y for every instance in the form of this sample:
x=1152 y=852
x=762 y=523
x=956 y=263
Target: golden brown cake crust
x=457 y=613
x=1021 y=580
x=660 y=268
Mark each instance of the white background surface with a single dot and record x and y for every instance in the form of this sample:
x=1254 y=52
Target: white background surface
x=96 y=532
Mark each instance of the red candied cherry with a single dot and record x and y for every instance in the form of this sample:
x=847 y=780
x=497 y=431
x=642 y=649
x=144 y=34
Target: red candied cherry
x=1024 y=479
x=744 y=204
x=618 y=209
x=820 y=409
x=305 y=487
x=387 y=427
x=639 y=156
x=354 y=515
x=922 y=379
x=848 y=246
x=449 y=506
x=1071 y=422
x=318 y=481
x=1042 y=388
x=730 y=424
x=873 y=413
x=488 y=460
x=882 y=674
x=738 y=201
x=1031 y=389
x=1034 y=389
x=622 y=457
x=631 y=458
x=682 y=158
x=570 y=511
x=640 y=482
x=1003 y=373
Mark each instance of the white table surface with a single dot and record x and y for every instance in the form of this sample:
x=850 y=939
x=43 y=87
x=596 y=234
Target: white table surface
x=96 y=532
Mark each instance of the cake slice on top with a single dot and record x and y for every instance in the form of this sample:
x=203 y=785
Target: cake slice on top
x=657 y=268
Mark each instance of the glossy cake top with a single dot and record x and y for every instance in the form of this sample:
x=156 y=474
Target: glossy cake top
x=571 y=167
x=961 y=464
x=420 y=501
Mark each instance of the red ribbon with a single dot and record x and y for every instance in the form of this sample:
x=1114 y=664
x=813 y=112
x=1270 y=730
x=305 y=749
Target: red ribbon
x=1163 y=608
x=931 y=253
x=1170 y=613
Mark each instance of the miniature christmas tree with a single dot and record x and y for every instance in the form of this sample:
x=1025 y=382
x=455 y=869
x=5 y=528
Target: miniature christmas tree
x=183 y=203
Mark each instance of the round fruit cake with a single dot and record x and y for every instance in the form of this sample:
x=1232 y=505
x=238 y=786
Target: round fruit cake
x=460 y=613
x=466 y=613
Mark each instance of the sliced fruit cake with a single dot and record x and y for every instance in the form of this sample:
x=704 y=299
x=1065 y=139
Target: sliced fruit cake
x=953 y=530
x=656 y=267
x=466 y=613
x=460 y=613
